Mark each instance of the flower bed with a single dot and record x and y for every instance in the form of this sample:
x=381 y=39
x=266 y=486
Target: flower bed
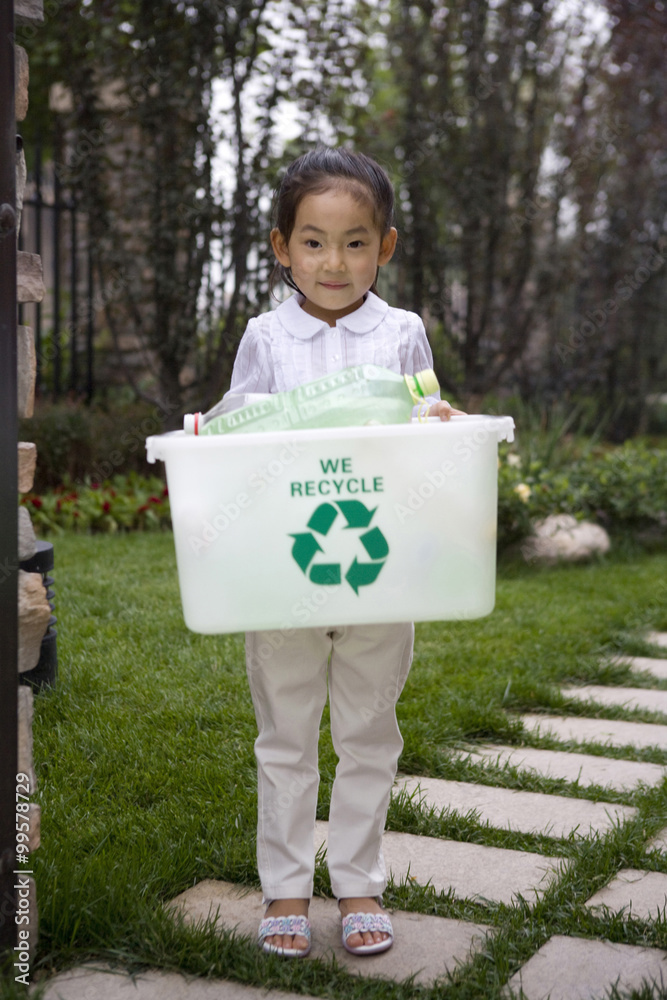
x=624 y=489
x=123 y=503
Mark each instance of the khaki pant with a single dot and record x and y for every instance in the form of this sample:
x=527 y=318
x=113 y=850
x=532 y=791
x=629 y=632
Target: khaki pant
x=366 y=667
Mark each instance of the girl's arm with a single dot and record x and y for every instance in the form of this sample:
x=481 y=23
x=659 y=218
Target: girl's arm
x=253 y=368
x=420 y=357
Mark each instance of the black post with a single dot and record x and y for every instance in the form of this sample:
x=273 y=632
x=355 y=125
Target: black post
x=55 y=334
x=90 y=330
x=73 y=360
x=8 y=483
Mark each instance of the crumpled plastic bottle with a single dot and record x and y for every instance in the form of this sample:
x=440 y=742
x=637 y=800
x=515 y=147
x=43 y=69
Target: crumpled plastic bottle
x=363 y=394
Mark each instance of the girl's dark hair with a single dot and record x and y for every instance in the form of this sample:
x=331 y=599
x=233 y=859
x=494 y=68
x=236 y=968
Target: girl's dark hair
x=320 y=170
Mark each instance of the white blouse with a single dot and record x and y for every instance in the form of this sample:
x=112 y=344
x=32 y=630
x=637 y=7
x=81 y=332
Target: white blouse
x=286 y=347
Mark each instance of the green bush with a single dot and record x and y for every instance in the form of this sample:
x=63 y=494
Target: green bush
x=99 y=455
x=624 y=489
x=76 y=443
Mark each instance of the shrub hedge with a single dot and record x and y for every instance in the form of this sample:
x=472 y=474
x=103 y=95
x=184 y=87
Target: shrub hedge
x=624 y=489
x=76 y=443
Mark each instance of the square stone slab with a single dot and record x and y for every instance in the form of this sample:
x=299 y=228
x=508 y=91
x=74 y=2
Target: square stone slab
x=470 y=871
x=425 y=947
x=570 y=968
x=613 y=732
x=657 y=638
x=579 y=768
x=645 y=665
x=621 y=697
x=659 y=842
x=510 y=809
x=642 y=894
x=100 y=982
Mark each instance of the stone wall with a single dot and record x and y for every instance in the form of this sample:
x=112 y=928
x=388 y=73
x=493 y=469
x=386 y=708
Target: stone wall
x=34 y=609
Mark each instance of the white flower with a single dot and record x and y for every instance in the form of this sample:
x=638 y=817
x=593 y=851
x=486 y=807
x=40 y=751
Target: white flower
x=514 y=459
x=523 y=491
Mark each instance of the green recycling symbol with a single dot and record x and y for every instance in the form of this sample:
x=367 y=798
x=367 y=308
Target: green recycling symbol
x=359 y=573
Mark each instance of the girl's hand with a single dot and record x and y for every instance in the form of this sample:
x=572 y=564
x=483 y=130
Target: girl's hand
x=443 y=410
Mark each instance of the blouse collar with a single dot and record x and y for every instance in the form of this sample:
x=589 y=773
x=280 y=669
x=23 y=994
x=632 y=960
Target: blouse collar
x=296 y=321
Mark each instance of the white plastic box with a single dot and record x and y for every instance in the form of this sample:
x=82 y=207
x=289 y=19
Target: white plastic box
x=337 y=526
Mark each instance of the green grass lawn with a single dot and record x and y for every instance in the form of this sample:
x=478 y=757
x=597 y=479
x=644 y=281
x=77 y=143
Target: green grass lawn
x=144 y=760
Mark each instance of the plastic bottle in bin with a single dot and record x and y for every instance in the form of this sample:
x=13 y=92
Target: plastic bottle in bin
x=364 y=394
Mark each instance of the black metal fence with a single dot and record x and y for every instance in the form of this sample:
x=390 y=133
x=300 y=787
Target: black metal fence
x=64 y=322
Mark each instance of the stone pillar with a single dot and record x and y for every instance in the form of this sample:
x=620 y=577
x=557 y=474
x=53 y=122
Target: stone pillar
x=34 y=609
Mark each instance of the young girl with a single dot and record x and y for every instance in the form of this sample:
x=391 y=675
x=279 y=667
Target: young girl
x=333 y=231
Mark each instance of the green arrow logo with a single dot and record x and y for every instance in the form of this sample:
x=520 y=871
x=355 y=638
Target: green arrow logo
x=359 y=574
x=362 y=574
x=323 y=518
x=304 y=548
x=375 y=544
x=355 y=513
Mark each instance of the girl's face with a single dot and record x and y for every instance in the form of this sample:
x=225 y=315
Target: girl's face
x=334 y=252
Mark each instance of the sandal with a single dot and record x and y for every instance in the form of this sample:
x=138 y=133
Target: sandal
x=357 y=923
x=284 y=925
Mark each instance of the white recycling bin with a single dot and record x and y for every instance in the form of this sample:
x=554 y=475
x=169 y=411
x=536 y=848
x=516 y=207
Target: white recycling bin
x=335 y=526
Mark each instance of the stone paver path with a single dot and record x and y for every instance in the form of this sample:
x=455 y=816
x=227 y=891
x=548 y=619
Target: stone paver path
x=657 y=638
x=97 y=982
x=622 y=697
x=659 y=842
x=613 y=733
x=570 y=968
x=645 y=665
x=526 y=812
x=470 y=871
x=641 y=894
x=426 y=947
x=577 y=768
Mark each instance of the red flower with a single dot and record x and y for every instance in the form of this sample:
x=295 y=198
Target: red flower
x=94 y=486
x=76 y=513
x=165 y=492
x=144 y=507
x=154 y=500
x=106 y=506
x=36 y=502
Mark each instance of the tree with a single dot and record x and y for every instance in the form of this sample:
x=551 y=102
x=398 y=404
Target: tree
x=461 y=97
x=616 y=338
x=138 y=153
